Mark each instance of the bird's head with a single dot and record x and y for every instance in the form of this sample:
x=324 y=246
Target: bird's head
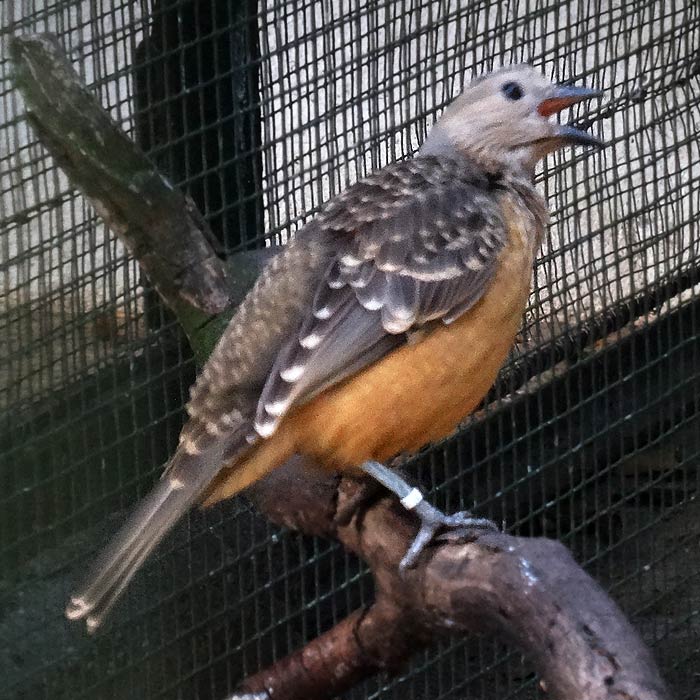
x=504 y=119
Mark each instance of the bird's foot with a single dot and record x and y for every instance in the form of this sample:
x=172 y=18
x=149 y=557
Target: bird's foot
x=432 y=521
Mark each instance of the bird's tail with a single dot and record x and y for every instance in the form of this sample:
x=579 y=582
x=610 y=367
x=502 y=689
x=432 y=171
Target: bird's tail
x=183 y=484
x=216 y=472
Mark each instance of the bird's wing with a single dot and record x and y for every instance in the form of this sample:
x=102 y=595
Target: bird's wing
x=417 y=242
x=224 y=397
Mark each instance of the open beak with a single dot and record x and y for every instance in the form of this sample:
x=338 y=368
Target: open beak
x=564 y=96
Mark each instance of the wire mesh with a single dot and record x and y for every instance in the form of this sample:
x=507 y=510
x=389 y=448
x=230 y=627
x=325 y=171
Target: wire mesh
x=262 y=111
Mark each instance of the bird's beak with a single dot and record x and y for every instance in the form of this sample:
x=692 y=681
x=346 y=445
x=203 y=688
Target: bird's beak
x=564 y=96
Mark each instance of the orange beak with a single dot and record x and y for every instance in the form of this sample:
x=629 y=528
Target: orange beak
x=565 y=96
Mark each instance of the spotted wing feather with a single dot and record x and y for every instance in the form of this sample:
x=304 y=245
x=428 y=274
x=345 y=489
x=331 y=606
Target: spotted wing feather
x=417 y=242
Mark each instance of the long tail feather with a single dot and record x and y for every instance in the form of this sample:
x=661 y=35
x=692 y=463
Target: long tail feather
x=182 y=485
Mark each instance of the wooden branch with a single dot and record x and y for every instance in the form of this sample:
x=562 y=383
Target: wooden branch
x=527 y=590
x=363 y=644
x=159 y=225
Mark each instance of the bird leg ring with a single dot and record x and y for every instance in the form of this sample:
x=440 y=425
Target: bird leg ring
x=431 y=519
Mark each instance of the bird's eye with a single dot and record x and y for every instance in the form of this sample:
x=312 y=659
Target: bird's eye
x=512 y=91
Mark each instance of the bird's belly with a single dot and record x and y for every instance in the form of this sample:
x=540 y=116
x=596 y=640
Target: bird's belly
x=416 y=394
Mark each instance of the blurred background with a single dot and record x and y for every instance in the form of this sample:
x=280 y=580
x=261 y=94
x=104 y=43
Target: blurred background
x=261 y=110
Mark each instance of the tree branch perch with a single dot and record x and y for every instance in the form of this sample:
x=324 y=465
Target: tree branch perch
x=529 y=591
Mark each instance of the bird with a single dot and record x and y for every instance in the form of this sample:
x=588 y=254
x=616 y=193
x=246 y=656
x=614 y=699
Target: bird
x=376 y=329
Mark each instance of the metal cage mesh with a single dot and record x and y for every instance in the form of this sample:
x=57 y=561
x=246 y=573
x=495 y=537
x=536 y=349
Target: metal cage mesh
x=262 y=111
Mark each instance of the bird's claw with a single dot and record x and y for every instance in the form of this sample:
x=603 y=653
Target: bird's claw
x=432 y=521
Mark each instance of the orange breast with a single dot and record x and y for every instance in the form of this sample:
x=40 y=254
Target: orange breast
x=420 y=392
x=414 y=395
